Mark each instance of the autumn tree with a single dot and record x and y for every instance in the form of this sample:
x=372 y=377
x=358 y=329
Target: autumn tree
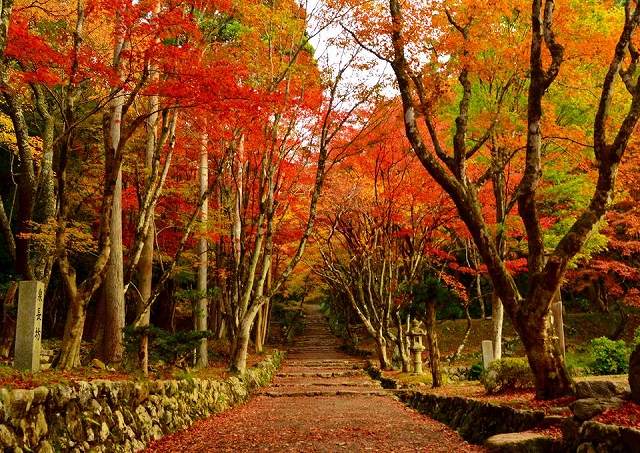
x=460 y=39
x=378 y=234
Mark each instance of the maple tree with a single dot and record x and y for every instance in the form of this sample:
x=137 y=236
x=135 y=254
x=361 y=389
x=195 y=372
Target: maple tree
x=379 y=234
x=436 y=72
x=159 y=150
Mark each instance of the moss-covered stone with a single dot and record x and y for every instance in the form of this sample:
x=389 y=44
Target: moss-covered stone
x=119 y=416
x=522 y=443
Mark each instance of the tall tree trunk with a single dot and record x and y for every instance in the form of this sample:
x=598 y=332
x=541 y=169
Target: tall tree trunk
x=26 y=187
x=111 y=348
x=145 y=265
x=432 y=343
x=201 y=308
x=72 y=339
x=500 y=193
x=45 y=205
x=497 y=320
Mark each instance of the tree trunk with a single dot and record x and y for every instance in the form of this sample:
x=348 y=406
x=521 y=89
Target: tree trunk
x=465 y=337
x=73 y=329
x=259 y=329
x=551 y=376
x=8 y=321
x=381 y=351
x=483 y=313
x=432 y=344
x=145 y=264
x=111 y=348
x=402 y=343
x=558 y=322
x=201 y=309
x=241 y=343
x=497 y=318
x=145 y=279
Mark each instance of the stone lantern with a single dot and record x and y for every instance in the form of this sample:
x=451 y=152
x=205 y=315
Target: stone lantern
x=416 y=347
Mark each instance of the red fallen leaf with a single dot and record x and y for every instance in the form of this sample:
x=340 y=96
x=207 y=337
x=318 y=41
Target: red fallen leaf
x=626 y=415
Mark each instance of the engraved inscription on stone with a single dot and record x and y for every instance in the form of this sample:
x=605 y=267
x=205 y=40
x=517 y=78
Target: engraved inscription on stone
x=29 y=325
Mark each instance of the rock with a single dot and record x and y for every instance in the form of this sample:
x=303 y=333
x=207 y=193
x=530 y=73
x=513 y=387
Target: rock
x=601 y=389
x=104 y=432
x=19 y=403
x=600 y=435
x=74 y=422
x=553 y=420
x=40 y=395
x=587 y=408
x=39 y=427
x=585 y=448
x=7 y=438
x=45 y=447
x=634 y=374
x=98 y=364
x=526 y=442
x=570 y=433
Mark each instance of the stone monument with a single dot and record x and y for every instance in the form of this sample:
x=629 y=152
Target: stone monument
x=487 y=353
x=29 y=325
x=416 y=348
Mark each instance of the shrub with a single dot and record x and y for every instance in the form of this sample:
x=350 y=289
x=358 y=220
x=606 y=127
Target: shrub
x=164 y=346
x=507 y=374
x=636 y=338
x=475 y=372
x=609 y=357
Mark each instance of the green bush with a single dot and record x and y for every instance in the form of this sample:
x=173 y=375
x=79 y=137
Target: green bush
x=608 y=356
x=164 y=346
x=507 y=374
x=475 y=371
x=636 y=338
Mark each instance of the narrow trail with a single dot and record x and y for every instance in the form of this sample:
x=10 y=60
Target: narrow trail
x=320 y=401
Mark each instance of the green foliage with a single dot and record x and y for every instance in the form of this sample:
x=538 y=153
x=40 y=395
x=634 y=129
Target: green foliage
x=636 y=338
x=578 y=361
x=475 y=371
x=608 y=356
x=448 y=303
x=507 y=374
x=289 y=315
x=164 y=346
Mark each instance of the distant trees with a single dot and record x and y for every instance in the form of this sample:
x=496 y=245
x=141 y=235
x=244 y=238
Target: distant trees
x=377 y=234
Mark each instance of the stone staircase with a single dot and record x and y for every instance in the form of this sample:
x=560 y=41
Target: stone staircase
x=315 y=367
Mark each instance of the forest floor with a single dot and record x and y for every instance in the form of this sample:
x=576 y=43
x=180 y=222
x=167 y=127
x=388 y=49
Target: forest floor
x=320 y=401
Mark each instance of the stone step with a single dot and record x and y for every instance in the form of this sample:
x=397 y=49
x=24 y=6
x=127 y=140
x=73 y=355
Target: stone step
x=325 y=374
x=316 y=393
x=370 y=384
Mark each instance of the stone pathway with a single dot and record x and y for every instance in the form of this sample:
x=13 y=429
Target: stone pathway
x=320 y=401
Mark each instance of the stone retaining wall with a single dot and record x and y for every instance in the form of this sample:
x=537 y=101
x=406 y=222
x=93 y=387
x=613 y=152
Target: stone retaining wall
x=474 y=420
x=593 y=436
x=117 y=416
